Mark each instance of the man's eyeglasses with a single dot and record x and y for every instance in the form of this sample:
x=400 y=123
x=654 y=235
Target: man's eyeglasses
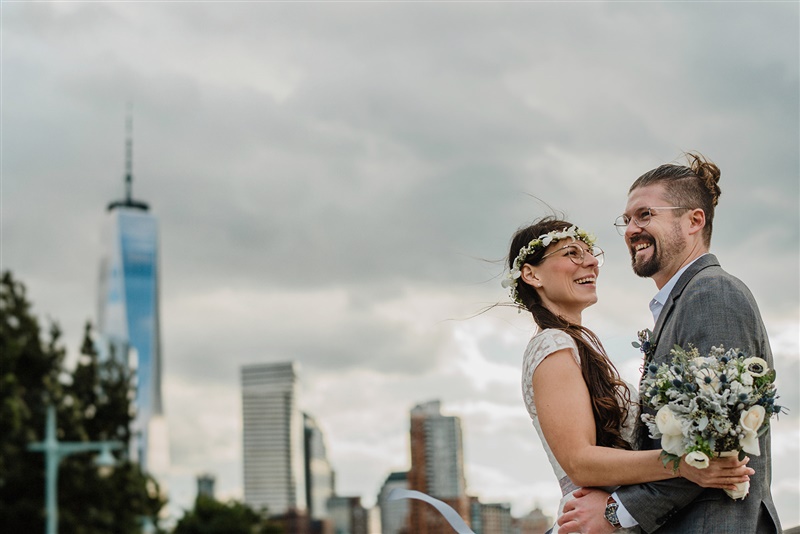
x=576 y=253
x=642 y=217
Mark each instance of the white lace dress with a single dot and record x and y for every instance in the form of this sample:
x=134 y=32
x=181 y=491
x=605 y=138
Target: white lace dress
x=542 y=345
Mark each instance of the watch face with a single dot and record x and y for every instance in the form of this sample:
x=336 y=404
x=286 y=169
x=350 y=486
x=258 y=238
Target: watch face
x=611 y=514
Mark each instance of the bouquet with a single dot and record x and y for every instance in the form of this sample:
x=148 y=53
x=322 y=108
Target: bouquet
x=717 y=404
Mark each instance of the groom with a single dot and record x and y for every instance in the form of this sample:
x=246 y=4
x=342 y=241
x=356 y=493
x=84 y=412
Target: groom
x=667 y=226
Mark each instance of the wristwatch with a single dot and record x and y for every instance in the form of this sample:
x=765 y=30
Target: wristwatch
x=611 y=512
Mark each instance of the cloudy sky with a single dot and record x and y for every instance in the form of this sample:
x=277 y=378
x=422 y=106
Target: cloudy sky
x=335 y=183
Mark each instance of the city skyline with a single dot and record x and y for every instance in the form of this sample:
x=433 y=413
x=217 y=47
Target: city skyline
x=336 y=184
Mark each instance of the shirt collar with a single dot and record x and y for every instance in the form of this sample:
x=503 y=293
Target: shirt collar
x=657 y=304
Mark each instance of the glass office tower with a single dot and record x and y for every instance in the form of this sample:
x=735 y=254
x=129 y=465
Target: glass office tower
x=128 y=310
x=128 y=317
x=319 y=473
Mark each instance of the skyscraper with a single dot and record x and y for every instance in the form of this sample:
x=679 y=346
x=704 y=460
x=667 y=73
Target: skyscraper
x=437 y=467
x=273 y=439
x=393 y=513
x=128 y=314
x=491 y=518
x=318 y=470
x=348 y=515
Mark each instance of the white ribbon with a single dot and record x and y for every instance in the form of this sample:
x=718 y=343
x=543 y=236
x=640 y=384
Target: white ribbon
x=450 y=515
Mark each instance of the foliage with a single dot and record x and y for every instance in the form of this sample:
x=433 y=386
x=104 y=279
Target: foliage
x=93 y=403
x=213 y=517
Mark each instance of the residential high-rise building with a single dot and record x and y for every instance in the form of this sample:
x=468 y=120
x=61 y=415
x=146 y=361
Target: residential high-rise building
x=128 y=318
x=348 y=515
x=491 y=518
x=535 y=522
x=273 y=439
x=320 y=477
x=393 y=513
x=437 y=467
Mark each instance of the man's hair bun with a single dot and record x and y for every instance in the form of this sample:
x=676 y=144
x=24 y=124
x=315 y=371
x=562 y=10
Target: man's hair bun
x=707 y=172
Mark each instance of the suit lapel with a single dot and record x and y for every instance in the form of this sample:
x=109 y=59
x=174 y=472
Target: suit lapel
x=707 y=260
x=701 y=263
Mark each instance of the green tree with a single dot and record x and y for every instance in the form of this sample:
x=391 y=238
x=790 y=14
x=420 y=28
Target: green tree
x=93 y=403
x=100 y=395
x=29 y=380
x=213 y=517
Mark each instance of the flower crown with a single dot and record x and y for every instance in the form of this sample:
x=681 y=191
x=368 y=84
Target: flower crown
x=543 y=241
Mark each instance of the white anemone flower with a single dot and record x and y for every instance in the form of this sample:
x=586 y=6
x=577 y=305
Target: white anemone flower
x=756 y=366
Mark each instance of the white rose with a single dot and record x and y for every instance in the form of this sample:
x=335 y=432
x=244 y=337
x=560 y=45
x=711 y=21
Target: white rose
x=750 y=444
x=752 y=419
x=746 y=378
x=673 y=444
x=667 y=423
x=697 y=459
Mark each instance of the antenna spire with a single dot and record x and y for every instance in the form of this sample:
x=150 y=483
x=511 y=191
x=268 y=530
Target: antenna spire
x=129 y=154
x=129 y=202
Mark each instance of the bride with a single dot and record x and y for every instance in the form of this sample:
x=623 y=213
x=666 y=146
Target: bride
x=584 y=413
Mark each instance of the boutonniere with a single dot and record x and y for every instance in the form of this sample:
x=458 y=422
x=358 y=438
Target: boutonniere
x=644 y=344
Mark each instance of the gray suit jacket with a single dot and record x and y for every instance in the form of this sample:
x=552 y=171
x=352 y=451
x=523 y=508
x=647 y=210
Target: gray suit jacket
x=707 y=307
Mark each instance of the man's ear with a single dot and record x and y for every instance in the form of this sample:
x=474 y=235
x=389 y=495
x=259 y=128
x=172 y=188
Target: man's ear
x=529 y=275
x=697 y=221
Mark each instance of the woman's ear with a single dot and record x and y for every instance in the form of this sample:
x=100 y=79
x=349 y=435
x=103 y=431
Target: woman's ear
x=530 y=276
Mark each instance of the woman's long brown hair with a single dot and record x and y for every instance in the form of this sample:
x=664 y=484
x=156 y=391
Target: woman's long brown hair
x=606 y=389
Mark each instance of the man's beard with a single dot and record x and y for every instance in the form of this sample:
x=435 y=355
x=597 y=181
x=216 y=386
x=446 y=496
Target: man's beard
x=647 y=268
x=671 y=246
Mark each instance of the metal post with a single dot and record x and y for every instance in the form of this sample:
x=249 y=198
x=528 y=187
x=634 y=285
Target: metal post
x=54 y=451
x=52 y=460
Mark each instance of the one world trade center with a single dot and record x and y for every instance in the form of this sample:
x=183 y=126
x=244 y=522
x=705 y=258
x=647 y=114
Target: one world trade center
x=128 y=315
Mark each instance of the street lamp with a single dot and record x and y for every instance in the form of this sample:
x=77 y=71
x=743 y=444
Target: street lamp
x=54 y=451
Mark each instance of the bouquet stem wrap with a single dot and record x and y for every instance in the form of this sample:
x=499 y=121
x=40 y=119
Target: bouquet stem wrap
x=742 y=488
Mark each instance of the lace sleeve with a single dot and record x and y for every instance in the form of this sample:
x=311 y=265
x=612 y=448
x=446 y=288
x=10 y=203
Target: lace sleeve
x=540 y=347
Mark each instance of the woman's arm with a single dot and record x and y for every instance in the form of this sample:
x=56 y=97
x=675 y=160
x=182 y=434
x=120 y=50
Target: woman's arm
x=563 y=405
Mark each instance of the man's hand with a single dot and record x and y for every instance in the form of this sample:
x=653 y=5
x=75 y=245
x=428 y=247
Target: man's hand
x=585 y=513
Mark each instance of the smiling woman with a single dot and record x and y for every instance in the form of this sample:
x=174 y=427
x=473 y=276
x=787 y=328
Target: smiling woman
x=555 y=284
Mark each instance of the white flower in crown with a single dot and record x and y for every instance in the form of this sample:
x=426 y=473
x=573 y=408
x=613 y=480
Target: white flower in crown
x=511 y=278
x=543 y=241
